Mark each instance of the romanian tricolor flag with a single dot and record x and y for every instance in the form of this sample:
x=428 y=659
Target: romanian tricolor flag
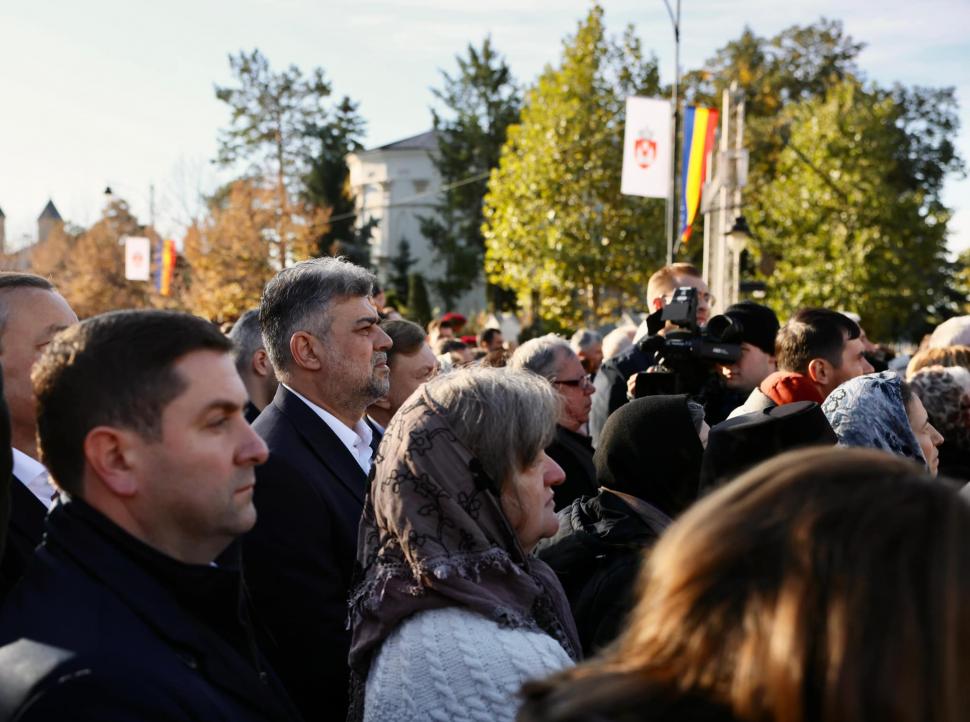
x=699 y=127
x=166 y=267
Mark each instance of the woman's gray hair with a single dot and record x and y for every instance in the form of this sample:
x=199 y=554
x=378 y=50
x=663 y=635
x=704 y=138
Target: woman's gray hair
x=504 y=417
x=583 y=339
x=542 y=355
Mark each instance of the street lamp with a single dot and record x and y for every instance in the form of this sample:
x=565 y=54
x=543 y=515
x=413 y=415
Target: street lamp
x=739 y=235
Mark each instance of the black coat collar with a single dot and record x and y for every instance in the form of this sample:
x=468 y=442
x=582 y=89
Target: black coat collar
x=73 y=531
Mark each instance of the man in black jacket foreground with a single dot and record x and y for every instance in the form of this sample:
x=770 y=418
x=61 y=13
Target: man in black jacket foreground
x=123 y=614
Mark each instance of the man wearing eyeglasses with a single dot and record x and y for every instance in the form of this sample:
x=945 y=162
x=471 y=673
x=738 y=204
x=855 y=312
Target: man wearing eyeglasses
x=553 y=358
x=611 y=381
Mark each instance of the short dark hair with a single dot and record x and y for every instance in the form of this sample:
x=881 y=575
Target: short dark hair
x=488 y=334
x=113 y=369
x=406 y=336
x=247 y=339
x=298 y=298
x=12 y=280
x=447 y=345
x=813 y=333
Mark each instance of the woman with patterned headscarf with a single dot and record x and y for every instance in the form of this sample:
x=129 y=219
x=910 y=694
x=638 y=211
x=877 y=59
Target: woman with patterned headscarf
x=880 y=411
x=944 y=393
x=451 y=612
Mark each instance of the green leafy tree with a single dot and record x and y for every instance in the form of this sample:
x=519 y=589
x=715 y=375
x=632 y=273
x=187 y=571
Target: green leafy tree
x=326 y=183
x=556 y=224
x=880 y=170
x=419 y=307
x=846 y=226
x=961 y=283
x=479 y=102
x=797 y=64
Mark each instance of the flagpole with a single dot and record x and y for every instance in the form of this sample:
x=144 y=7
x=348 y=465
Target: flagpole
x=672 y=194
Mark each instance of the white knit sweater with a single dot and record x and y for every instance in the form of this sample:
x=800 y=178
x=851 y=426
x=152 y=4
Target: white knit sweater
x=454 y=665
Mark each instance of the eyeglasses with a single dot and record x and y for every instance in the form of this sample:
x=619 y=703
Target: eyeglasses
x=582 y=382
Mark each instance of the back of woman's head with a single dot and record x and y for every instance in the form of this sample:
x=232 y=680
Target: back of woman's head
x=945 y=356
x=825 y=584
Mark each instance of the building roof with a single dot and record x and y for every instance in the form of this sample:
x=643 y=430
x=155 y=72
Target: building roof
x=50 y=212
x=423 y=141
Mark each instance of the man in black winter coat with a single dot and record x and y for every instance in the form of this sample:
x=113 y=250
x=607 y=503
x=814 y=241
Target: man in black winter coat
x=124 y=614
x=596 y=554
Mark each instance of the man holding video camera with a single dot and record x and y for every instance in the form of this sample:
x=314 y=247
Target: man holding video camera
x=715 y=360
x=611 y=381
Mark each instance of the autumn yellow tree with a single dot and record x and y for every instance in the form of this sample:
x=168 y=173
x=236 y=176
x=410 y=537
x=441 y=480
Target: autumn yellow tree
x=234 y=251
x=88 y=268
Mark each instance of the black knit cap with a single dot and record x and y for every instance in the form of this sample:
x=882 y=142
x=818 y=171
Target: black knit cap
x=649 y=449
x=759 y=324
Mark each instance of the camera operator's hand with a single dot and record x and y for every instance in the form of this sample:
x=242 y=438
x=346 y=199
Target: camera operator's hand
x=631 y=386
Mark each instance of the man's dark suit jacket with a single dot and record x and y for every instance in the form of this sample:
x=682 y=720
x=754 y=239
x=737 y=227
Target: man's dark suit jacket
x=300 y=556
x=91 y=634
x=24 y=533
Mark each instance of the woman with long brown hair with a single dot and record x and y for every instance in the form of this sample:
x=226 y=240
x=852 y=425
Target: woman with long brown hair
x=825 y=584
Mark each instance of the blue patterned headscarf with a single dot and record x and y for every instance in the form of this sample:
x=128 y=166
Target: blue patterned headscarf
x=868 y=411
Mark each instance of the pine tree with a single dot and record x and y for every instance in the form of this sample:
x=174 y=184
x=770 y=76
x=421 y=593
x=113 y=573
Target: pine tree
x=419 y=308
x=401 y=268
x=479 y=103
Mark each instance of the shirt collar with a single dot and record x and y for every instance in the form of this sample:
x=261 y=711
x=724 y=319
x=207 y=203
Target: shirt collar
x=33 y=475
x=357 y=439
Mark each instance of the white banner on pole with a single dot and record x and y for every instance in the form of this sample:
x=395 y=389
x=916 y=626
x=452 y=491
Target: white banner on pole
x=138 y=258
x=646 y=148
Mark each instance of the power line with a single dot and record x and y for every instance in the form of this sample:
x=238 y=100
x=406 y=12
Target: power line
x=465 y=181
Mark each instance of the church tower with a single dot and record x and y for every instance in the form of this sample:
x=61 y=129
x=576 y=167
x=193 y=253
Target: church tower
x=46 y=221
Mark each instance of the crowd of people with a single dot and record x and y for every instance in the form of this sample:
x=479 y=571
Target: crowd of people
x=332 y=513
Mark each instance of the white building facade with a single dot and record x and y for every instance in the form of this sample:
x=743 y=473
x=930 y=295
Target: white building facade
x=396 y=185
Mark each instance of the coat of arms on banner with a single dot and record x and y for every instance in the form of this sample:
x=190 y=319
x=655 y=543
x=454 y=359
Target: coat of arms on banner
x=645 y=148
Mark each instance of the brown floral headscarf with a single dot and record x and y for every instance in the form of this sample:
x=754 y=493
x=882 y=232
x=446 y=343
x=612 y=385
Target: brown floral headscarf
x=433 y=535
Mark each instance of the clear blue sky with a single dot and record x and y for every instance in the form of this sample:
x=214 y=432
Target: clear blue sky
x=121 y=93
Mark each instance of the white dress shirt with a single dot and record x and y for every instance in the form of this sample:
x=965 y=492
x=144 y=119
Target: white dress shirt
x=357 y=439
x=34 y=476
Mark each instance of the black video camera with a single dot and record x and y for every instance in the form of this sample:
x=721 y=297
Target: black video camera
x=687 y=354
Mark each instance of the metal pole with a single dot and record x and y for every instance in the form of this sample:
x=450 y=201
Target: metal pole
x=672 y=194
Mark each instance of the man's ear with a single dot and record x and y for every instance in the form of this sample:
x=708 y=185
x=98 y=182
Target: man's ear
x=112 y=457
x=303 y=348
x=820 y=371
x=261 y=365
x=657 y=303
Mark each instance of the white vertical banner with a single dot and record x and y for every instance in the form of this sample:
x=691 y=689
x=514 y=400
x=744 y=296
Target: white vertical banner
x=138 y=258
x=646 y=148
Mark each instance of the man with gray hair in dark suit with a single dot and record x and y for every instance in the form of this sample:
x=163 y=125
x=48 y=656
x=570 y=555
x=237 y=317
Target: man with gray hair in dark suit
x=323 y=337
